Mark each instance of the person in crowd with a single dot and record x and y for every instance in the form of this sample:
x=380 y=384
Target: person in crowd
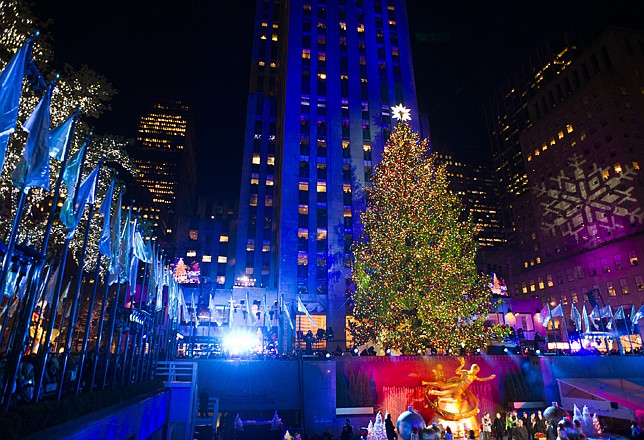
x=349 y=427
x=551 y=431
x=498 y=427
x=472 y=435
x=566 y=430
x=578 y=427
x=521 y=431
x=526 y=423
x=511 y=423
x=486 y=422
x=532 y=428
x=635 y=430
x=345 y=433
x=390 y=429
x=429 y=433
x=448 y=434
x=203 y=403
x=541 y=423
x=308 y=341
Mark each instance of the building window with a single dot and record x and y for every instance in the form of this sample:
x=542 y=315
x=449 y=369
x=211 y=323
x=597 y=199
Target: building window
x=194 y=235
x=605 y=266
x=221 y=279
x=222 y=259
x=632 y=258
x=623 y=284
x=206 y=258
x=639 y=282
x=549 y=280
x=191 y=253
x=618 y=261
x=610 y=288
x=540 y=282
x=223 y=239
x=570 y=274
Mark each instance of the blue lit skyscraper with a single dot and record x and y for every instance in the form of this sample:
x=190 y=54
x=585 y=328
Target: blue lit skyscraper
x=325 y=75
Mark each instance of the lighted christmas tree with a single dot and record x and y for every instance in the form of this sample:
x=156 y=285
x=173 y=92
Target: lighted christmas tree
x=416 y=281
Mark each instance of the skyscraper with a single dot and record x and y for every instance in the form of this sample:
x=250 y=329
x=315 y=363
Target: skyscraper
x=581 y=223
x=508 y=116
x=325 y=75
x=165 y=162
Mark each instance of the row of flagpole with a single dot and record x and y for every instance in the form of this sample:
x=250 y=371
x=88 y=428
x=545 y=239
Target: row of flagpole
x=35 y=286
x=594 y=321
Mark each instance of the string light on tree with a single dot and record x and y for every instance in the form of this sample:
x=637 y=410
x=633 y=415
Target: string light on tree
x=417 y=286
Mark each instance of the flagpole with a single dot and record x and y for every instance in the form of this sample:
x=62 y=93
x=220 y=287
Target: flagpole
x=565 y=324
x=99 y=331
x=628 y=332
x=71 y=324
x=110 y=333
x=554 y=330
x=86 y=333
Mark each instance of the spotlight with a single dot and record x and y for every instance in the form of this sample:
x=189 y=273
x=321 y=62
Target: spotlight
x=328 y=355
x=538 y=352
x=505 y=349
x=388 y=351
x=239 y=342
x=478 y=350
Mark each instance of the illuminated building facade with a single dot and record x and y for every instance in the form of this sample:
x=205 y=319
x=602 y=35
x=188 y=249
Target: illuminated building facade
x=165 y=163
x=204 y=243
x=583 y=158
x=476 y=186
x=508 y=116
x=325 y=75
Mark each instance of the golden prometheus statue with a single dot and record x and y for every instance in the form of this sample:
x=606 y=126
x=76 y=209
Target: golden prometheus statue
x=455 y=401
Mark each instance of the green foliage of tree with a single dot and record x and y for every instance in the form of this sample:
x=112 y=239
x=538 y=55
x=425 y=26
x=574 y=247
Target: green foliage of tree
x=416 y=281
x=76 y=88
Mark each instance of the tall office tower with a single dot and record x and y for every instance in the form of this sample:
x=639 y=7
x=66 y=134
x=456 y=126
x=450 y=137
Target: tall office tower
x=166 y=165
x=476 y=186
x=583 y=157
x=325 y=75
x=508 y=116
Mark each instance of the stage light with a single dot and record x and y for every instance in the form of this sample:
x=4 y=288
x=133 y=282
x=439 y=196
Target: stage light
x=478 y=350
x=505 y=349
x=538 y=352
x=328 y=355
x=239 y=342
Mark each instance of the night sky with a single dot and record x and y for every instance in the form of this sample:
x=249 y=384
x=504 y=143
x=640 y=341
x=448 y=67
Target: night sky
x=199 y=51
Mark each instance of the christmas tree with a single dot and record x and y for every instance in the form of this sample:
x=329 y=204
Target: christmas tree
x=416 y=282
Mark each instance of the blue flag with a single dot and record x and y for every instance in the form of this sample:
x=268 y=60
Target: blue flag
x=86 y=194
x=70 y=176
x=59 y=138
x=10 y=89
x=36 y=152
x=105 y=244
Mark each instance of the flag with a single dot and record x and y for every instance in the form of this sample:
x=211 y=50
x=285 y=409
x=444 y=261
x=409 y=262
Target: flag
x=185 y=316
x=71 y=216
x=51 y=286
x=105 y=244
x=606 y=312
x=639 y=315
x=576 y=317
x=59 y=138
x=72 y=170
x=301 y=308
x=140 y=249
x=10 y=90
x=63 y=297
x=115 y=240
x=557 y=311
x=632 y=317
x=544 y=315
x=584 y=315
x=34 y=172
x=619 y=314
x=288 y=315
x=230 y=312
x=10 y=286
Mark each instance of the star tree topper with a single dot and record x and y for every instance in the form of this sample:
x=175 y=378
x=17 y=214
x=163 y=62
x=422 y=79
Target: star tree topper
x=401 y=113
